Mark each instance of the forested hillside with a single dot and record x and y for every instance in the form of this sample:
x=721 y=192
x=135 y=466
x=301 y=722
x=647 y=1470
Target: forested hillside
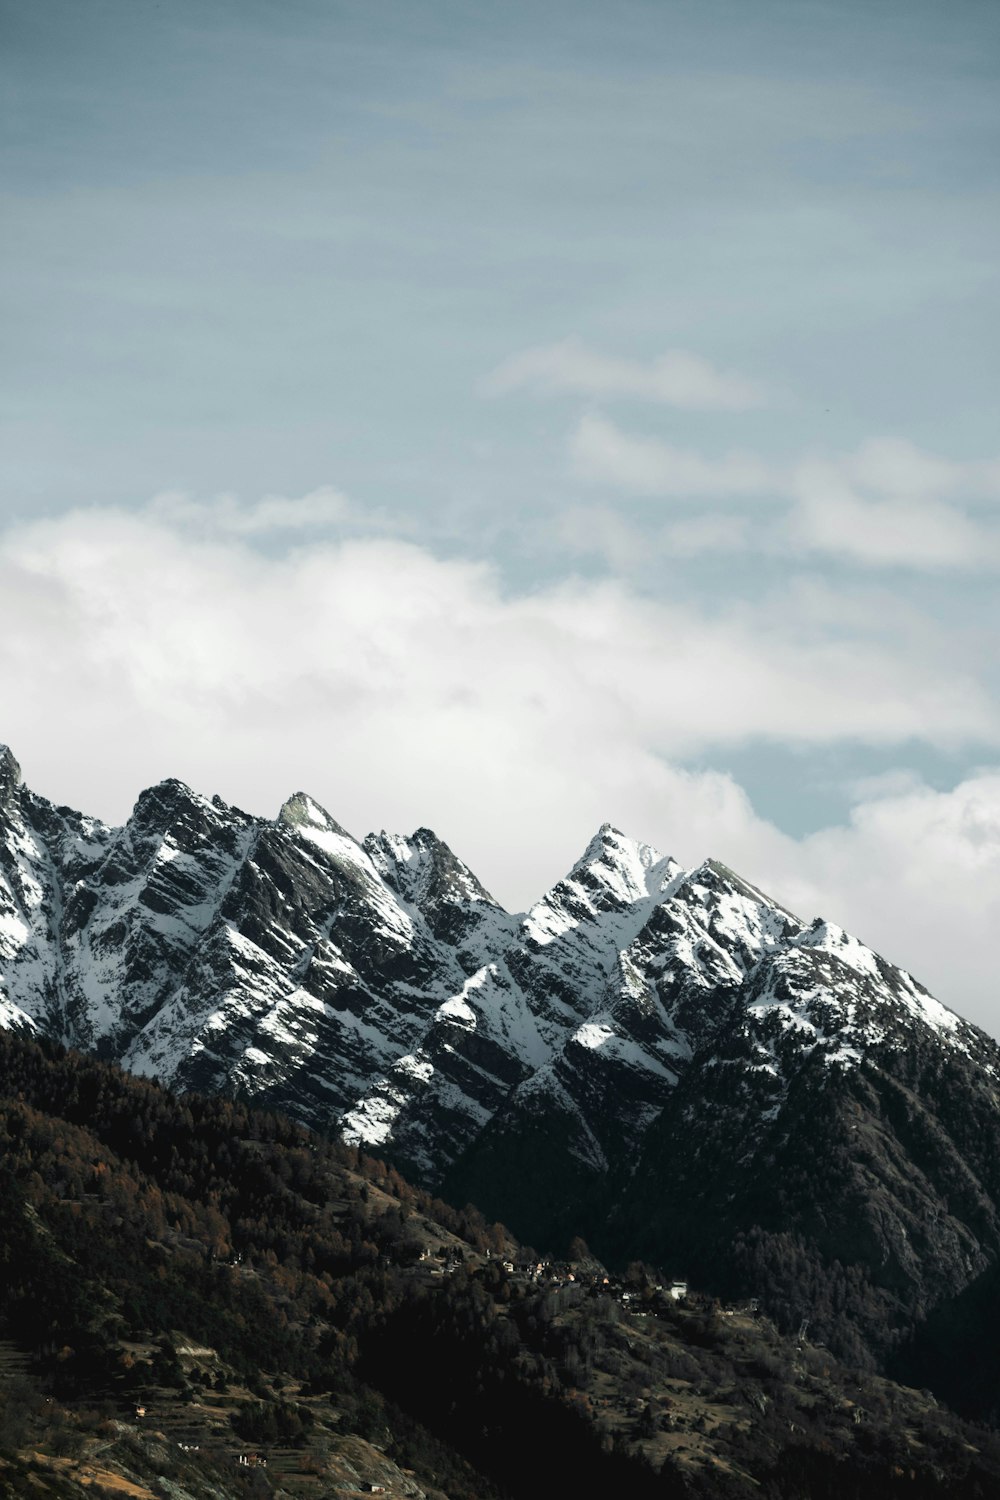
x=262 y=1294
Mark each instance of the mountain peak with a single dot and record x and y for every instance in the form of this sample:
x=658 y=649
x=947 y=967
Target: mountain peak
x=301 y=811
x=10 y=773
x=423 y=868
x=609 y=844
x=158 y=806
x=628 y=868
x=714 y=873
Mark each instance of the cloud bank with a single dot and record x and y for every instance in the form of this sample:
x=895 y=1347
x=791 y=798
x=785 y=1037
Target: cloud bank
x=401 y=688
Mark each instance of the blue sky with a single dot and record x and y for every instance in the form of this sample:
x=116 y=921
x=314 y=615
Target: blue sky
x=500 y=416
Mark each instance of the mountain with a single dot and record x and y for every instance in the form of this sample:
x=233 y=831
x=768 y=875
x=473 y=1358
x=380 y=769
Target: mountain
x=665 y=1060
x=199 y=1301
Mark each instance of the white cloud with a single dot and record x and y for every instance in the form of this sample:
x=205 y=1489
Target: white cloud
x=401 y=689
x=227 y=515
x=677 y=378
x=599 y=531
x=896 y=467
x=601 y=453
x=909 y=516
x=894 y=783
x=899 y=532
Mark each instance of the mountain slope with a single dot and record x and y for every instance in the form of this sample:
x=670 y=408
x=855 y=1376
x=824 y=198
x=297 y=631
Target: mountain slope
x=666 y=1060
x=186 y=1282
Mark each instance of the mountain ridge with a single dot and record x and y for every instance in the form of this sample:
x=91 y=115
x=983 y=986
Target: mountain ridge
x=640 y=1026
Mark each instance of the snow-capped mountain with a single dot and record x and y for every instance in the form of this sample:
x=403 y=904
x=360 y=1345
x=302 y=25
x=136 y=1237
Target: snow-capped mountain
x=647 y=1046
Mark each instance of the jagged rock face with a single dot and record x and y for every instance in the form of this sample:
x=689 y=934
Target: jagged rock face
x=647 y=1052
x=844 y=1119
x=425 y=874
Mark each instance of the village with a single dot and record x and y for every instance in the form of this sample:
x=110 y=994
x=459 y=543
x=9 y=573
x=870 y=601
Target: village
x=639 y=1293
x=320 y=1462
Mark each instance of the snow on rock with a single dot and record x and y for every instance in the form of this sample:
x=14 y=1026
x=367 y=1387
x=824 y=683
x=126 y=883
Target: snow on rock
x=377 y=987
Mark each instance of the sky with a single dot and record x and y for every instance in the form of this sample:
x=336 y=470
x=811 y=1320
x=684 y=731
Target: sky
x=508 y=419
